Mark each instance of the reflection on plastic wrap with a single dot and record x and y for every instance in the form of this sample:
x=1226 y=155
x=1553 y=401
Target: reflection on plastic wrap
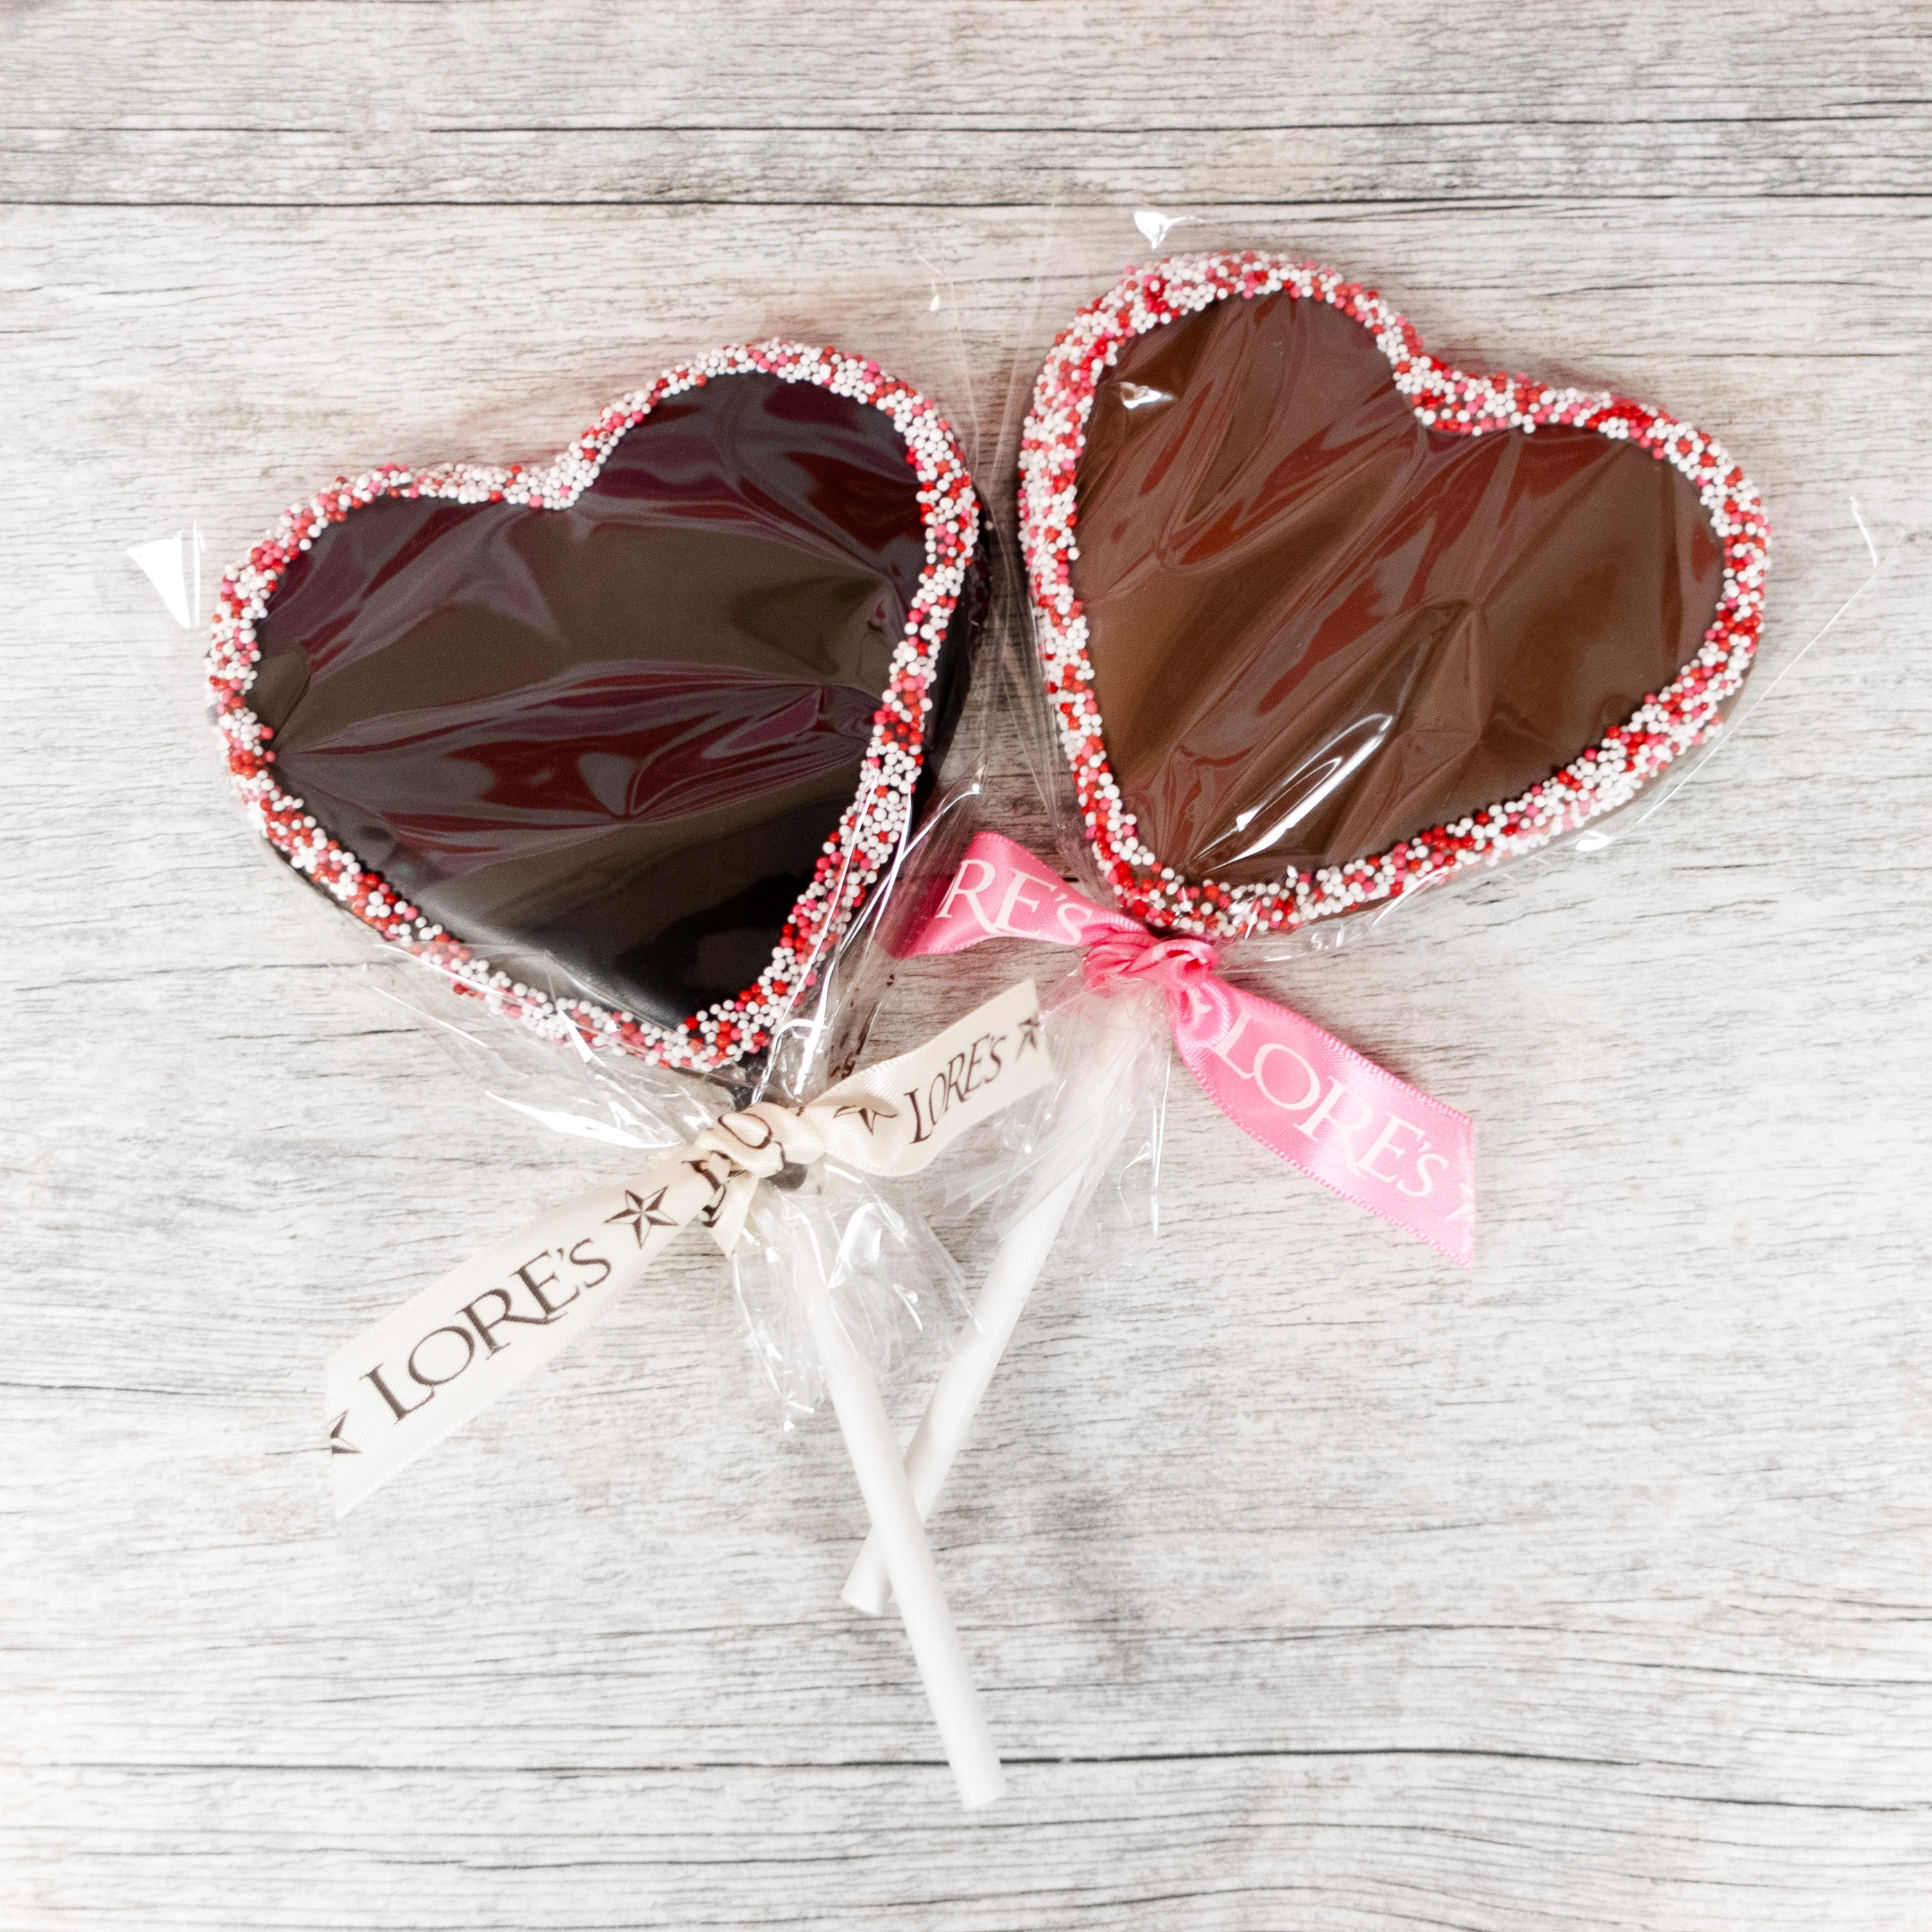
x=1098 y=1127
x=172 y=564
x=892 y=1283
x=618 y=734
x=1318 y=625
x=566 y=1087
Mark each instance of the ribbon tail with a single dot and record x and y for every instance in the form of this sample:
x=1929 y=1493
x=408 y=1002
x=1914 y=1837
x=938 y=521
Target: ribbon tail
x=414 y=1377
x=1341 y=1120
x=727 y=1219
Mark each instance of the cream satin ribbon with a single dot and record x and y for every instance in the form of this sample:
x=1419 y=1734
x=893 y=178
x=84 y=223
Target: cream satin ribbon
x=414 y=1377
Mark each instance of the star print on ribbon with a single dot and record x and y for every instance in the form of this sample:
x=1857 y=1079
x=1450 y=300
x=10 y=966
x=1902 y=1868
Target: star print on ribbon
x=1307 y=1098
x=638 y=1214
x=417 y=1375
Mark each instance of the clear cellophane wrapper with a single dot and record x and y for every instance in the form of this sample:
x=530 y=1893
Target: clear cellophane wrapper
x=1829 y=555
x=894 y=1285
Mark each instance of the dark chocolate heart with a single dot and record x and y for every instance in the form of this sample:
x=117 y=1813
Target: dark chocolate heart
x=621 y=742
x=1322 y=618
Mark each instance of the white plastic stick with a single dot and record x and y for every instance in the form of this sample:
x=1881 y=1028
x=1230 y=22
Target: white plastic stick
x=899 y=1531
x=1093 y=1114
x=963 y=1383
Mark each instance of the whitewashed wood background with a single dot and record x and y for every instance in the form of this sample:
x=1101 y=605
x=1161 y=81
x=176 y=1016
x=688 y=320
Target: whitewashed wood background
x=1315 y=1587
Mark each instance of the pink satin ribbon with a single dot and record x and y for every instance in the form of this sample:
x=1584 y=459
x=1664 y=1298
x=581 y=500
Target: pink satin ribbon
x=1330 y=1113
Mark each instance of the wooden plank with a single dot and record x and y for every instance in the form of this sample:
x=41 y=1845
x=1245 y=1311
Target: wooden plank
x=349 y=104
x=1313 y=1584
x=385 y=64
x=969 y=166
x=1368 y=1840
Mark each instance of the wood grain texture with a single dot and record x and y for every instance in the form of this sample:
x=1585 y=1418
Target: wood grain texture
x=1315 y=1586
x=493 y=101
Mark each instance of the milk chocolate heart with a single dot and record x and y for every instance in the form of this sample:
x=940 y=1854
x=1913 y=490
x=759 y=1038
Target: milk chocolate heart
x=1339 y=619
x=622 y=743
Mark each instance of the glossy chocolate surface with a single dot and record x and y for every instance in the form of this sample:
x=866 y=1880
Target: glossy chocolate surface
x=613 y=739
x=1318 y=627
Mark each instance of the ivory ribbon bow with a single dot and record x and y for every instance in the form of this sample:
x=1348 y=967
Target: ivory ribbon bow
x=423 y=1370
x=1317 y=1104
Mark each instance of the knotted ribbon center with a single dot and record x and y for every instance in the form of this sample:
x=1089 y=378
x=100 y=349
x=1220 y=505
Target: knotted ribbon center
x=404 y=1383
x=1302 y=1093
x=1183 y=969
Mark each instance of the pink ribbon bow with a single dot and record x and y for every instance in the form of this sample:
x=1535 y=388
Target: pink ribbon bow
x=1333 y=1116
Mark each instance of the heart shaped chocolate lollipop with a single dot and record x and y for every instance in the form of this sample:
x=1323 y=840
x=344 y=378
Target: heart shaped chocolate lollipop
x=622 y=743
x=1322 y=619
